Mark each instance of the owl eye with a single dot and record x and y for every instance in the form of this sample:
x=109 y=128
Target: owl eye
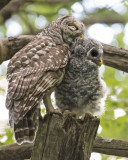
x=94 y=53
x=73 y=28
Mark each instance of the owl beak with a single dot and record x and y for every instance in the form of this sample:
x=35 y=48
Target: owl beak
x=100 y=62
x=82 y=36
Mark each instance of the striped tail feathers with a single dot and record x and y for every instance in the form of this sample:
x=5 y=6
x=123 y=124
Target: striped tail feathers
x=25 y=129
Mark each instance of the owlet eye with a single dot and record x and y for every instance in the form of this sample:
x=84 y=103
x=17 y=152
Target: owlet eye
x=94 y=53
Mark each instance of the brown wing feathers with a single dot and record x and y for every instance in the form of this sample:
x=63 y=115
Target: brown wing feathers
x=35 y=80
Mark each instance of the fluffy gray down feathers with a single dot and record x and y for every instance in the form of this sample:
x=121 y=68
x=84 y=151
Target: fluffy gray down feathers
x=82 y=89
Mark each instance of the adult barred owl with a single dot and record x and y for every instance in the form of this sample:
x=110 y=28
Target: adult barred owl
x=82 y=90
x=34 y=71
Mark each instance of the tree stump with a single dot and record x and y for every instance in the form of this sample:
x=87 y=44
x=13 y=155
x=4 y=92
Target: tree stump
x=63 y=137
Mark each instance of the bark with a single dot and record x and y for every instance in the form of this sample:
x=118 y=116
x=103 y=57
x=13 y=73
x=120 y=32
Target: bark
x=113 y=56
x=15 y=152
x=107 y=20
x=9 y=46
x=59 y=137
x=102 y=145
x=12 y=7
x=111 y=146
x=64 y=137
x=4 y=3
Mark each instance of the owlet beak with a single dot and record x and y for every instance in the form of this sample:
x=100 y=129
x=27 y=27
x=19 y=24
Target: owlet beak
x=82 y=36
x=100 y=62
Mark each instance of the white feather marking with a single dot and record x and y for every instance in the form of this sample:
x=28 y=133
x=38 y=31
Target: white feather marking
x=30 y=54
x=14 y=81
x=45 y=68
x=50 y=44
x=25 y=98
x=24 y=87
x=33 y=50
x=29 y=45
x=35 y=57
x=57 y=62
x=19 y=130
x=39 y=89
x=24 y=57
x=41 y=52
x=57 y=52
x=38 y=47
x=52 y=66
x=42 y=44
x=26 y=79
x=47 y=49
x=36 y=99
x=29 y=106
x=17 y=63
x=26 y=62
x=49 y=60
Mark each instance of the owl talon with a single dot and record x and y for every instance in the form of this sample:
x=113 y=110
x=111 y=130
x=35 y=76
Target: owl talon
x=86 y=114
x=72 y=114
x=56 y=111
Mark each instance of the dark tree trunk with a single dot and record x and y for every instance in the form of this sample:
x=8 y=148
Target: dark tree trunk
x=63 y=137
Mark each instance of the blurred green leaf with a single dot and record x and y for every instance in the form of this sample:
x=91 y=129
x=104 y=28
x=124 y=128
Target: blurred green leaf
x=9 y=134
x=117 y=128
x=119 y=38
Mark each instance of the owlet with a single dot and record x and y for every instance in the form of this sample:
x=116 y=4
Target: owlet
x=82 y=89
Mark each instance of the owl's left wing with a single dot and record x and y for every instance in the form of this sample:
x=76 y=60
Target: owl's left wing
x=29 y=82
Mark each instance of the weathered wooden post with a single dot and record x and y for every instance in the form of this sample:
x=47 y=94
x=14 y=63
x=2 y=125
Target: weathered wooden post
x=63 y=137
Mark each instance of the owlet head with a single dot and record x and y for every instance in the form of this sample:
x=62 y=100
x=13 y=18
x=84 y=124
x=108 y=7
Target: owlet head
x=70 y=29
x=94 y=51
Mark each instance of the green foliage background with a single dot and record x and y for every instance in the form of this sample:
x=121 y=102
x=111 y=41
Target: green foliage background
x=115 y=128
x=115 y=79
